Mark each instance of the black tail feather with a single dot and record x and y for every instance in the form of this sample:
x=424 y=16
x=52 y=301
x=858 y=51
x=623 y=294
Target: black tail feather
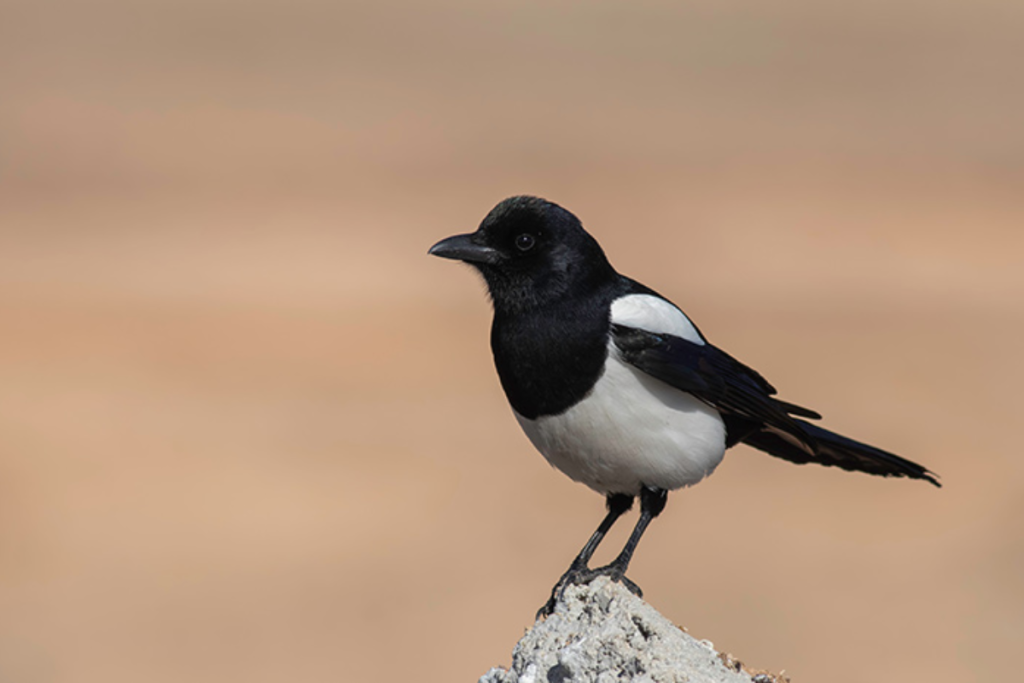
x=833 y=449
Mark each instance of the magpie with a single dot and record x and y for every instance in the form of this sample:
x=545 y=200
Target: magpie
x=616 y=386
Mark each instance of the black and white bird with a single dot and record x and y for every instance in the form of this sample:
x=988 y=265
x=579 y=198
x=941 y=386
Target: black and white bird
x=613 y=383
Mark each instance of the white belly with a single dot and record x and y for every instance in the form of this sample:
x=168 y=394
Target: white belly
x=631 y=430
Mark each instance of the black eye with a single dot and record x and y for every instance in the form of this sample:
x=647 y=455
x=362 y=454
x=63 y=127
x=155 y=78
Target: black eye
x=525 y=242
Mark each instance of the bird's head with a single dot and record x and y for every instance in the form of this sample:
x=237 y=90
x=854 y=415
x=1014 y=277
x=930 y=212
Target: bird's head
x=531 y=252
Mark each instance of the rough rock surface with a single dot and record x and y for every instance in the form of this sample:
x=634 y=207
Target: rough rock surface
x=602 y=633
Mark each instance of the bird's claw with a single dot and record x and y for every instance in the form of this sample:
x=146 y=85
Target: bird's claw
x=578 y=576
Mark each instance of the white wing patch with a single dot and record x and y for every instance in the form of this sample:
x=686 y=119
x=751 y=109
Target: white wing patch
x=654 y=314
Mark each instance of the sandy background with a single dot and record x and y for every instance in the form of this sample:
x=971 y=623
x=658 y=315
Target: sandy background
x=249 y=431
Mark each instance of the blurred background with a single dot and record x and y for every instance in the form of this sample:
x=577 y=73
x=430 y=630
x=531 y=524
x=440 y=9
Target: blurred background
x=250 y=431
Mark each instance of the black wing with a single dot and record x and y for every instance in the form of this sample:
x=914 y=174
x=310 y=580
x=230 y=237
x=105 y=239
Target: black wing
x=745 y=400
x=713 y=376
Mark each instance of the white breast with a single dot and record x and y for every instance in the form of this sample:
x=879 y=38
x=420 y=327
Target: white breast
x=631 y=430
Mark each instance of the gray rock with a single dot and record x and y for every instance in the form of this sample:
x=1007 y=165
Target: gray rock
x=602 y=633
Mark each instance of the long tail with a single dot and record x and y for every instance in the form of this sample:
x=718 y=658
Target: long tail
x=833 y=449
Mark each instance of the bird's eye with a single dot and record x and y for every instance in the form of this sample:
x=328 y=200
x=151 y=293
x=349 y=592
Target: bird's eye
x=525 y=242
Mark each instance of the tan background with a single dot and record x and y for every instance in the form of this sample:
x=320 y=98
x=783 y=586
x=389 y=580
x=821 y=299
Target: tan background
x=250 y=432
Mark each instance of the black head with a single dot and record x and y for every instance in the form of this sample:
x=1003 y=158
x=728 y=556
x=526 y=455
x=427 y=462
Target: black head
x=531 y=252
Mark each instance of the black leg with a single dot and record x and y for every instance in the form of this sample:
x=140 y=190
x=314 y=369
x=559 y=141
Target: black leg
x=652 y=502
x=618 y=504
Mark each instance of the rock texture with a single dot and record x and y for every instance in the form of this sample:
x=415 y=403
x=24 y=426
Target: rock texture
x=602 y=633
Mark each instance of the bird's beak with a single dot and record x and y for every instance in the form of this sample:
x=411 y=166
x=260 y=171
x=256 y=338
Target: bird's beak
x=462 y=248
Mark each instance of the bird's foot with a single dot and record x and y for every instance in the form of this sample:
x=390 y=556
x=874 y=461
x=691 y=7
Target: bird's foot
x=577 y=576
x=572 y=576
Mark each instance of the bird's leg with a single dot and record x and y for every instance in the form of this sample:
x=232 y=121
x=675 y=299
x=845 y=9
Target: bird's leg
x=652 y=502
x=618 y=504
